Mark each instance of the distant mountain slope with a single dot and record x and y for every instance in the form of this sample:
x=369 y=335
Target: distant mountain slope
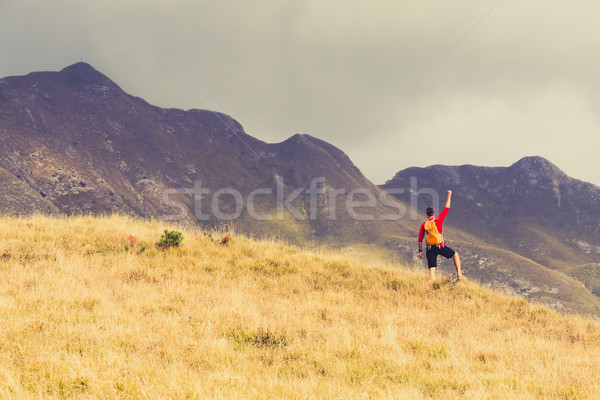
x=16 y=198
x=531 y=209
x=87 y=146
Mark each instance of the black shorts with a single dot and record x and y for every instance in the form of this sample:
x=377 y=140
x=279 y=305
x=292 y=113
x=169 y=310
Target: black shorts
x=433 y=252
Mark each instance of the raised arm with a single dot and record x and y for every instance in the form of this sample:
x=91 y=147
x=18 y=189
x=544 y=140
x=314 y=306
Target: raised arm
x=421 y=234
x=449 y=198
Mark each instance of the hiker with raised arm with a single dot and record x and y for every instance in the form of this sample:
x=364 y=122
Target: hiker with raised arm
x=435 y=241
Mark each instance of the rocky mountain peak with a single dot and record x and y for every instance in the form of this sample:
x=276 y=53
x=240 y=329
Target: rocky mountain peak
x=79 y=78
x=80 y=66
x=83 y=74
x=305 y=145
x=536 y=166
x=299 y=139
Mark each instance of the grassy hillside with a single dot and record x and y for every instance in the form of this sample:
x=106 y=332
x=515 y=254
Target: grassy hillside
x=84 y=313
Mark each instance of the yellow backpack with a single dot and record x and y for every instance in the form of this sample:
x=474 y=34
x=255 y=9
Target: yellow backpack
x=433 y=236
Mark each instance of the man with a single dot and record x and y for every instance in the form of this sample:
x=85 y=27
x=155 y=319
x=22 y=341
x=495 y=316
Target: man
x=435 y=242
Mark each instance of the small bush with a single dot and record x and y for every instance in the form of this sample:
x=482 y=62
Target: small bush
x=169 y=239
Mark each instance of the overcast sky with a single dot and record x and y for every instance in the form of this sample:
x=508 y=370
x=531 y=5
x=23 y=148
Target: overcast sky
x=524 y=80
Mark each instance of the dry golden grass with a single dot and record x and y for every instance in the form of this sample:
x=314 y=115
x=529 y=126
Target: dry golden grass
x=84 y=315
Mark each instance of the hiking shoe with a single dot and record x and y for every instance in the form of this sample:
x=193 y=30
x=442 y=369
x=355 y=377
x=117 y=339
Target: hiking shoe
x=461 y=279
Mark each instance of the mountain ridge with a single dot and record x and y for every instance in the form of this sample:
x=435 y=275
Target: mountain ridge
x=87 y=145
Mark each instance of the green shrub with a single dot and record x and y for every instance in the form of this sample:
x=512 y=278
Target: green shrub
x=169 y=239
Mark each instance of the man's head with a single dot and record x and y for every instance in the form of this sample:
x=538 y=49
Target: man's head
x=430 y=211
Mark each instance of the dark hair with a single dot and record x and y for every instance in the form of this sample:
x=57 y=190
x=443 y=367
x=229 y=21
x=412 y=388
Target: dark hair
x=430 y=211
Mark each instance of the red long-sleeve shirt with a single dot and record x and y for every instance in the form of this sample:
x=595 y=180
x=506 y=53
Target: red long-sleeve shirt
x=439 y=220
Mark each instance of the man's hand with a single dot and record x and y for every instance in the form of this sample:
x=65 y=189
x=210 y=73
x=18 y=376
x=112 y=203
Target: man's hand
x=420 y=254
x=448 y=199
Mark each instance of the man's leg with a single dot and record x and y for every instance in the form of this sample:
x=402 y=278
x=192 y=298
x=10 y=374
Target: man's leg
x=432 y=274
x=459 y=274
x=431 y=262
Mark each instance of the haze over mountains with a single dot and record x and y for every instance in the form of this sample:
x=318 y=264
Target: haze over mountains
x=73 y=142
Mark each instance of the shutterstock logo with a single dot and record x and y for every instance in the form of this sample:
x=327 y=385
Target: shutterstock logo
x=318 y=200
